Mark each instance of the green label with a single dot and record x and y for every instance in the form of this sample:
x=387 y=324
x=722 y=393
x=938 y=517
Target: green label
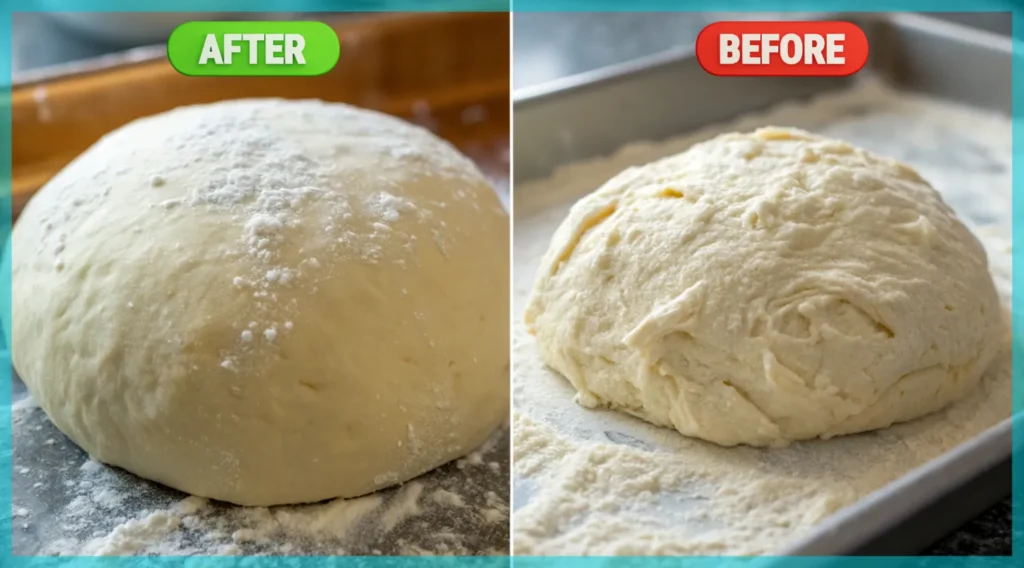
x=253 y=48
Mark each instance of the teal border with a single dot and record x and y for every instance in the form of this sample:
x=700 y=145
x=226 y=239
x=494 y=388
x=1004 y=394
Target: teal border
x=9 y=6
x=5 y=287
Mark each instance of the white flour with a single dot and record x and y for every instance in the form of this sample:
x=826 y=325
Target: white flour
x=92 y=509
x=266 y=181
x=602 y=483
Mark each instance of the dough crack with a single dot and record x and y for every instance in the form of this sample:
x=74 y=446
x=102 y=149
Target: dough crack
x=591 y=220
x=745 y=396
x=674 y=316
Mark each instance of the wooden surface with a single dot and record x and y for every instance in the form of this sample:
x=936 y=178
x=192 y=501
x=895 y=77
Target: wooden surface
x=448 y=72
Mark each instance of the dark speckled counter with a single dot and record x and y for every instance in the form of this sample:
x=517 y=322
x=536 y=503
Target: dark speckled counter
x=990 y=534
x=550 y=45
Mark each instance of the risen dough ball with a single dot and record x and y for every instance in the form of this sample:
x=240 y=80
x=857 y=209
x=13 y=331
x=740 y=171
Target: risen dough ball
x=767 y=287
x=266 y=302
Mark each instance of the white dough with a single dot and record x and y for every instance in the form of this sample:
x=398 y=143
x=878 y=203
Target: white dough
x=766 y=287
x=266 y=301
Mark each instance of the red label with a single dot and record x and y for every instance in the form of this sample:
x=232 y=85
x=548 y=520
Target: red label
x=781 y=49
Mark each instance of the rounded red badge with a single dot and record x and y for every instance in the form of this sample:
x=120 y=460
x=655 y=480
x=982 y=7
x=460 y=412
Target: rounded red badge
x=747 y=49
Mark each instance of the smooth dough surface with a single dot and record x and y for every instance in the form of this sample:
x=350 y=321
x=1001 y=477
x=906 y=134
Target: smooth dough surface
x=767 y=287
x=266 y=301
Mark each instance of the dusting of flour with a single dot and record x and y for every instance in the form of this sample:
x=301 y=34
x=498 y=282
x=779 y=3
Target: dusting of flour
x=602 y=483
x=79 y=507
x=267 y=183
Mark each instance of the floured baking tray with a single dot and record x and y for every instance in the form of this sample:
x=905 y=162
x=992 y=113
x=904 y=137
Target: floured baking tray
x=446 y=72
x=889 y=492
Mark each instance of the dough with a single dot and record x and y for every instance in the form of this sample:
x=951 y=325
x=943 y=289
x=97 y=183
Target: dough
x=267 y=301
x=766 y=287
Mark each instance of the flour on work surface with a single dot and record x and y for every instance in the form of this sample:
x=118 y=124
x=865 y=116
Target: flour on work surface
x=598 y=482
x=82 y=507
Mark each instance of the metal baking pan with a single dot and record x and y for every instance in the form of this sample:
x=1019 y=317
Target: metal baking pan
x=669 y=94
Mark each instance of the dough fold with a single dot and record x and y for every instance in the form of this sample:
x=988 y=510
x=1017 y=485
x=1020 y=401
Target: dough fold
x=767 y=287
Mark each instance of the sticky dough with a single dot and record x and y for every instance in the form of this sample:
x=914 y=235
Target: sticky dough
x=766 y=287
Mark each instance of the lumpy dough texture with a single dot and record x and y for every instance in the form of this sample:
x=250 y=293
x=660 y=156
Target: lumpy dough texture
x=266 y=301
x=766 y=287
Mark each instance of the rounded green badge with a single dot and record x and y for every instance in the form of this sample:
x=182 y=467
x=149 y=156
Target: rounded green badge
x=253 y=48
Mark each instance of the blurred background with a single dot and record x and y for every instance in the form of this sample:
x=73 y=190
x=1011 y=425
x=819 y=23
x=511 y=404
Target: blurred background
x=552 y=45
x=78 y=75
x=547 y=45
x=44 y=42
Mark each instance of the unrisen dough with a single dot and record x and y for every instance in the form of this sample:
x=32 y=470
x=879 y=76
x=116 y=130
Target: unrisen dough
x=767 y=287
x=267 y=302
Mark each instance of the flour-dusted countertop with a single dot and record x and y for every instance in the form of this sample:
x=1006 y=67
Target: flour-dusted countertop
x=66 y=504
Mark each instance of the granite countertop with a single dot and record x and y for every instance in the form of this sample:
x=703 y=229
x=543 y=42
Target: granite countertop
x=549 y=46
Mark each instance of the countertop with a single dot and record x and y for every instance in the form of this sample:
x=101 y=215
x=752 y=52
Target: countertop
x=548 y=46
